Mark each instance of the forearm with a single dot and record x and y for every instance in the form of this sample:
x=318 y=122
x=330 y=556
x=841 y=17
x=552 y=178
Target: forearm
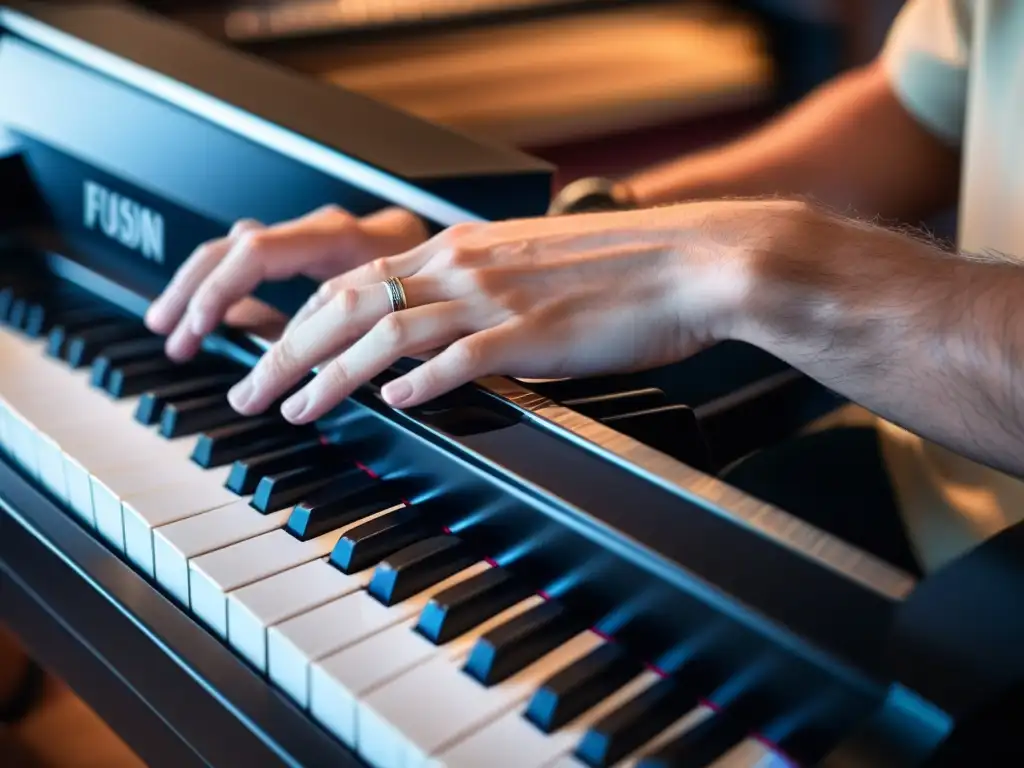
x=849 y=145
x=929 y=340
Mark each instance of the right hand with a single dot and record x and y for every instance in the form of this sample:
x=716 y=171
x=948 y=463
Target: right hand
x=216 y=280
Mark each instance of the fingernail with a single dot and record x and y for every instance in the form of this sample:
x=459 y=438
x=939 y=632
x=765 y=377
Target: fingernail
x=397 y=392
x=199 y=323
x=178 y=344
x=153 y=317
x=241 y=394
x=295 y=406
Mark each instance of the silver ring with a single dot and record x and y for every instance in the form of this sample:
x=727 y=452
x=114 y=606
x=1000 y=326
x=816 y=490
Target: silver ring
x=396 y=294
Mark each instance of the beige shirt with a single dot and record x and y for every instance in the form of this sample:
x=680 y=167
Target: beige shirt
x=958 y=67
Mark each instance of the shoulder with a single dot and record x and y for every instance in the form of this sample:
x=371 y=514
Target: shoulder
x=926 y=58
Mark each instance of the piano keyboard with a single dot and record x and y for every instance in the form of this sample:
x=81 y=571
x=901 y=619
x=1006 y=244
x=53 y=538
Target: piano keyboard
x=371 y=614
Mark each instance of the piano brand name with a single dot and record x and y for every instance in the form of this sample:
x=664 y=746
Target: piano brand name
x=125 y=221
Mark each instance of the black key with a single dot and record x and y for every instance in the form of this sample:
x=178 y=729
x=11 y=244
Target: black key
x=369 y=543
x=84 y=346
x=347 y=499
x=246 y=473
x=152 y=404
x=6 y=299
x=636 y=722
x=617 y=403
x=701 y=745
x=124 y=352
x=133 y=379
x=422 y=565
x=581 y=686
x=40 y=316
x=40 y=319
x=519 y=642
x=464 y=606
x=187 y=417
x=17 y=317
x=70 y=323
x=247 y=438
x=287 y=488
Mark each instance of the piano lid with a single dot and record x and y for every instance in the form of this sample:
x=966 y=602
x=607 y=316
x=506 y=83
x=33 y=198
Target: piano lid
x=343 y=134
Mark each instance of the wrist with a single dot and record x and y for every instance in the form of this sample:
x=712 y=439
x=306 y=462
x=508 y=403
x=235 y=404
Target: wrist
x=767 y=265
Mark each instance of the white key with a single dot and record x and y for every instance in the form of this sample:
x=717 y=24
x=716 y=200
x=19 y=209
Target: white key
x=421 y=714
x=111 y=486
x=338 y=682
x=212 y=576
x=253 y=609
x=175 y=544
x=21 y=443
x=51 y=466
x=117 y=444
x=52 y=417
x=512 y=741
x=752 y=753
x=294 y=644
x=146 y=511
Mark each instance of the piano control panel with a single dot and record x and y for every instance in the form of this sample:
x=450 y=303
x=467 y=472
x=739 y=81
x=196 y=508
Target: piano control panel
x=518 y=574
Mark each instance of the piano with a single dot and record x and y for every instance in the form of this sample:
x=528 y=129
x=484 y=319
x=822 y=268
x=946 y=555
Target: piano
x=519 y=574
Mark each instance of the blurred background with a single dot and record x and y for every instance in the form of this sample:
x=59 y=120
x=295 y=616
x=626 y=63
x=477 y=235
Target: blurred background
x=593 y=86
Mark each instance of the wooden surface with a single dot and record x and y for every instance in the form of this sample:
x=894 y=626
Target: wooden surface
x=560 y=79
x=61 y=732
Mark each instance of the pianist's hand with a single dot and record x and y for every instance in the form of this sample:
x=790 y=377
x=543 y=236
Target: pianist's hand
x=554 y=297
x=212 y=284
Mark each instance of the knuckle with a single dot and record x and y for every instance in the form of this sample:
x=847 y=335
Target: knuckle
x=335 y=214
x=280 y=361
x=469 y=354
x=391 y=331
x=336 y=375
x=462 y=256
x=206 y=251
x=251 y=243
x=242 y=226
x=379 y=268
x=345 y=300
x=461 y=231
x=326 y=291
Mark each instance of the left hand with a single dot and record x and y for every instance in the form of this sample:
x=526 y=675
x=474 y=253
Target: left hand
x=559 y=297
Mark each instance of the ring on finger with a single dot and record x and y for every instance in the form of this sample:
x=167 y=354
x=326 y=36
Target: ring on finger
x=396 y=294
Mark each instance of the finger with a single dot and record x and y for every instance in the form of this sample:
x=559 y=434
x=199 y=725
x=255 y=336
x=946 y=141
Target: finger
x=469 y=358
x=345 y=317
x=166 y=312
x=305 y=246
x=377 y=271
x=398 y=335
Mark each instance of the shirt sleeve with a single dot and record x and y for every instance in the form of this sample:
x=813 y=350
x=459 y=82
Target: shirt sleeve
x=926 y=58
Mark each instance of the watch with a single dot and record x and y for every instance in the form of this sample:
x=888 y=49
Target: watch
x=589 y=195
